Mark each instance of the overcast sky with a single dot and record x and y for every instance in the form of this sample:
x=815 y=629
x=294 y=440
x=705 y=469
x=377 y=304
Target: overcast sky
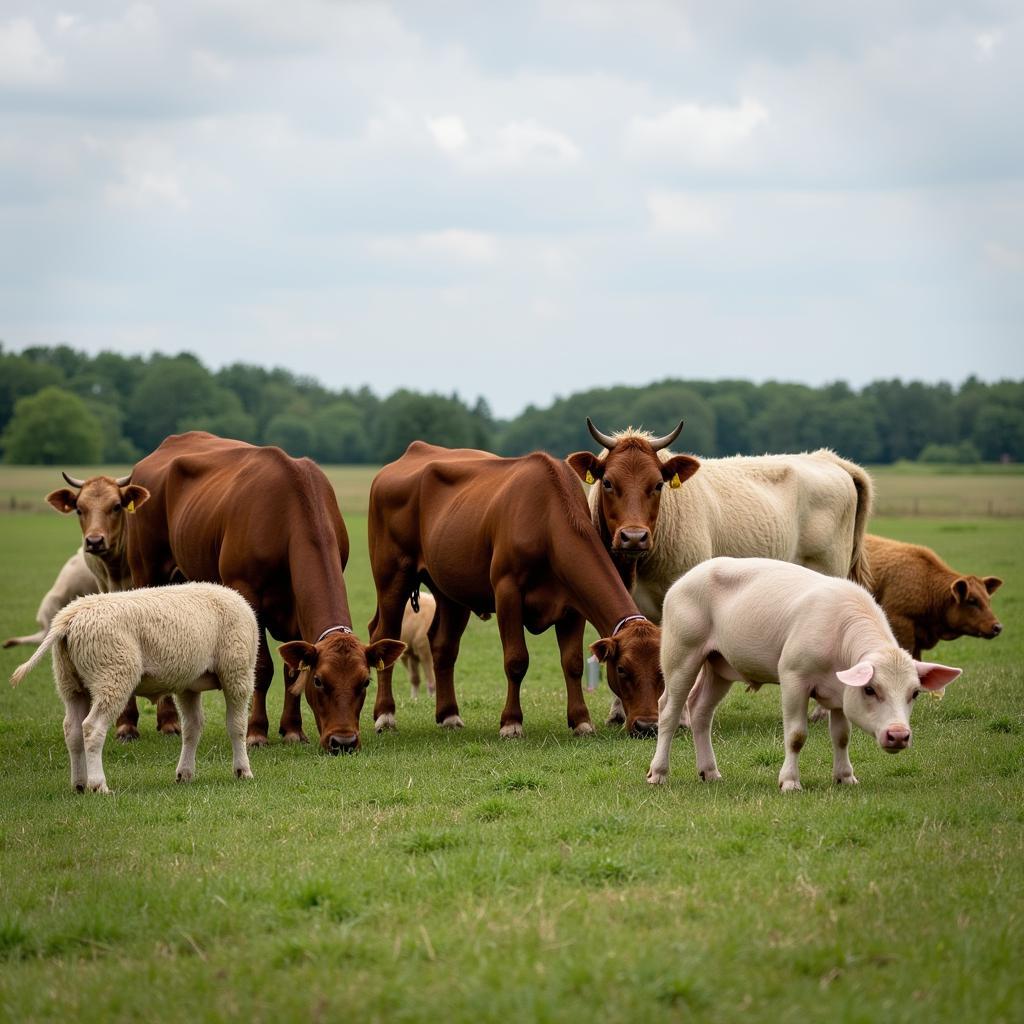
x=519 y=200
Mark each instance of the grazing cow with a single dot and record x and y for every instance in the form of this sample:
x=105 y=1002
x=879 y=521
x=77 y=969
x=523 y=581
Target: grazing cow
x=510 y=536
x=268 y=526
x=75 y=579
x=181 y=640
x=758 y=620
x=103 y=505
x=810 y=509
x=925 y=600
x=415 y=626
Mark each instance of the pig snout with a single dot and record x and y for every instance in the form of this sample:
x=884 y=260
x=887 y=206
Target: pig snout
x=895 y=738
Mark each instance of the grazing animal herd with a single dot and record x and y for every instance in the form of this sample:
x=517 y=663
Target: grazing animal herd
x=695 y=573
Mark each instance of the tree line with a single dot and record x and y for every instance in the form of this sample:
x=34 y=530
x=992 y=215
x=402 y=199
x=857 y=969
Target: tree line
x=61 y=406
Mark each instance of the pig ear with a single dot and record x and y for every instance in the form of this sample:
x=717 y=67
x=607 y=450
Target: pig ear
x=960 y=589
x=935 y=677
x=384 y=653
x=859 y=675
x=604 y=649
x=992 y=583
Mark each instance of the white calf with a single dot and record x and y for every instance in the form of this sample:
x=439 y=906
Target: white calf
x=415 y=627
x=74 y=580
x=761 y=621
x=179 y=639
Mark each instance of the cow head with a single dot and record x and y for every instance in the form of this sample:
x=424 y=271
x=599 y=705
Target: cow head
x=632 y=657
x=334 y=674
x=969 y=608
x=631 y=476
x=101 y=503
x=880 y=691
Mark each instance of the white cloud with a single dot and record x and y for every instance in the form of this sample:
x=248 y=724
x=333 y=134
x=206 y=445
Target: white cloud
x=681 y=214
x=529 y=141
x=453 y=245
x=448 y=132
x=986 y=43
x=1004 y=257
x=700 y=135
x=24 y=58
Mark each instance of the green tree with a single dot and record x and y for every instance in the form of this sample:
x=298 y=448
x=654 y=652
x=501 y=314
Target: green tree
x=339 y=433
x=999 y=432
x=291 y=432
x=53 y=427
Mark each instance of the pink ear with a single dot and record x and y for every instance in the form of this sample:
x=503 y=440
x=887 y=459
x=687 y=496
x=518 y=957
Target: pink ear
x=859 y=675
x=935 y=677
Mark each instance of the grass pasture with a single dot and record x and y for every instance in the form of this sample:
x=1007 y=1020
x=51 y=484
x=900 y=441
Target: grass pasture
x=461 y=877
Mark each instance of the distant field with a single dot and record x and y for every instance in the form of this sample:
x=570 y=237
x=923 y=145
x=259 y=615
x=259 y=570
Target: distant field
x=904 y=490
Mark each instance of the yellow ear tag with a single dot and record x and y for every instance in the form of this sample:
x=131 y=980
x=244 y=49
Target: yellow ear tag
x=589 y=477
x=380 y=665
x=303 y=666
x=675 y=481
x=131 y=506
x=938 y=694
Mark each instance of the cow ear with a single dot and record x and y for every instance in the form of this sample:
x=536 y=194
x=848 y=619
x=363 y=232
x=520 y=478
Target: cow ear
x=679 y=469
x=604 y=649
x=133 y=496
x=384 y=653
x=298 y=655
x=860 y=675
x=935 y=677
x=587 y=466
x=960 y=589
x=992 y=583
x=63 y=500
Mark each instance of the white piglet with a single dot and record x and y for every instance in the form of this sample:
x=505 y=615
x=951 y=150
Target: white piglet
x=180 y=639
x=760 y=621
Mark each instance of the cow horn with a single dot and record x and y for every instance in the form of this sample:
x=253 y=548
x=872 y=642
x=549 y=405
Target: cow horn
x=602 y=439
x=71 y=480
x=124 y=481
x=658 y=443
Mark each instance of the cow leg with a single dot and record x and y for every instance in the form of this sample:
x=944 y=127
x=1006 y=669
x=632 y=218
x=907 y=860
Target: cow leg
x=167 y=716
x=509 y=607
x=569 y=631
x=708 y=692
x=191 y=729
x=392 y=593
x=128 y=721
x=445 y=636
x=76 y=707
x=794 y=727
x=839 y=729
x=290 y=728
x=258 y=722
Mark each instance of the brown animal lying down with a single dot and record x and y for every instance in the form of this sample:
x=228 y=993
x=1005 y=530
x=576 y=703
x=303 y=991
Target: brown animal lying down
x=925 y=600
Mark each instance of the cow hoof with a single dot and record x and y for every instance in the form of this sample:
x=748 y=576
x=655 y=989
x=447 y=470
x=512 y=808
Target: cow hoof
x=184 y=776
x=127 y=733
x=453 y=722
x=385 y=722
x=710 y=775
x=294 y=737
x=256 y=739
x=656 y=777
x=584 y=729
x=512 y=731
x=790 y=786
x=243 y=773
x=98 y=787
x=846 y=780
x=169 y=729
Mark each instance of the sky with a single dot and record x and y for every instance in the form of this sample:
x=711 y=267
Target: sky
x=519 y=201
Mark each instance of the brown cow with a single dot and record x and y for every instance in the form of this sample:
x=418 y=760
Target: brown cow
x=269 y=526
x=510 y=536
x=102 y=505
x=925 y=600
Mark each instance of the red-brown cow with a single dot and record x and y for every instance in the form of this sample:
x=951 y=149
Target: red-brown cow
x=269 y=526
x=510 y=536
x=924 y=599
x=102 y=505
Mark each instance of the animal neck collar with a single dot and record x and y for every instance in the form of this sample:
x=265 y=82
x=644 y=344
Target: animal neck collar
x=333 y=629
x=628 y=618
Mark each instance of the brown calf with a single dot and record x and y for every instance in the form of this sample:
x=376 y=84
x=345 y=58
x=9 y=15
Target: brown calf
x=925 y=600
x=511 y=536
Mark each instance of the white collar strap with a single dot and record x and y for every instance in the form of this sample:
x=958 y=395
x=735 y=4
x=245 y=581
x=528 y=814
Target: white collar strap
x=333 y=629
x=628 y=618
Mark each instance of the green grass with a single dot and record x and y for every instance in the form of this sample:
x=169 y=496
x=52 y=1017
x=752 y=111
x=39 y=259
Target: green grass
x=460 y=877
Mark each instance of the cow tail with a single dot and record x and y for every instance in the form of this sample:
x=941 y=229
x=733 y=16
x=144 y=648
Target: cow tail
x=860 y=569
x=56 y=633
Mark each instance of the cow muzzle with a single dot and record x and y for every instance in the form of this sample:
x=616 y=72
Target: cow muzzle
x=95 y=544
x=643 y=728
x=994 y=631
x=341 y=743
x=895 y=738
x=633 y=542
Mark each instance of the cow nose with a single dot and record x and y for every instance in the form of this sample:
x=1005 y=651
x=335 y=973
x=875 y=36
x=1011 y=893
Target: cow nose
x=897 y=737
x=95 y=542
x=997 y=629
x=637 y=539
x=342 y=744
x=644 y=727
